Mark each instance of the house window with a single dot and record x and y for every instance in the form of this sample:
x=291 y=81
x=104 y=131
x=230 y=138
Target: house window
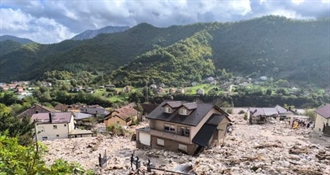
x=183 y=111
x=64 y=125
x=44 y=138
x=169 y=128
x=183 y=148
x=168 y=109
x=54 y=126
x=184 y=131
x=160 y=142
x=57 y=135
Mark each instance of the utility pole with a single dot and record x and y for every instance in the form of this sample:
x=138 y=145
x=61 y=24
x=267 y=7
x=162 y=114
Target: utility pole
x=36 y=136
x=147 y=98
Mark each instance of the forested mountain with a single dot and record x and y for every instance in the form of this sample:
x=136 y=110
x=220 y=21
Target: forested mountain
x=8 y=46
x=88 y=34
x=297 y=50
x=16 y=39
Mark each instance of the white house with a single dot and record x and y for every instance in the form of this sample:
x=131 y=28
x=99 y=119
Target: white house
x=200 y=91
x=50 y=126
x=263 y=78
x=322 y=119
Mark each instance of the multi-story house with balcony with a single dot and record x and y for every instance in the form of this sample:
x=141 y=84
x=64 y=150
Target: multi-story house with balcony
x=187 y=127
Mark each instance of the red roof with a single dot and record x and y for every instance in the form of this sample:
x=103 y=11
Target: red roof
x=124 y=112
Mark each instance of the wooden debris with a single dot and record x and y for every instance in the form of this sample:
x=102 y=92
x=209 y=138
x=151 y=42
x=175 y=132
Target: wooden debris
x=322 y=155
x=268 y=146
x=298 y=150
x=305 y=171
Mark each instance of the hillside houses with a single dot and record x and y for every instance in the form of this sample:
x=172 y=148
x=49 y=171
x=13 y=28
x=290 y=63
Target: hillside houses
x=123 y=116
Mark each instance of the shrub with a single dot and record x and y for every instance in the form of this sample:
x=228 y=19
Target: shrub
x=241 y=112
x=311 y=114
x=229 y=111
x=245 y=116
x=135 y=122
x=116 y=129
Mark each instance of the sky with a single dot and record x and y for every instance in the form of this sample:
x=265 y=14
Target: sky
x=52 y=21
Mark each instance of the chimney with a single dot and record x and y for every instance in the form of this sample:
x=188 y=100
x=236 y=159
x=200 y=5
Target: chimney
x=50 y=118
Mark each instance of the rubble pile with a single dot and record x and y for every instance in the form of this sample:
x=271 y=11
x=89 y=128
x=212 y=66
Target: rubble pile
x=250 y=149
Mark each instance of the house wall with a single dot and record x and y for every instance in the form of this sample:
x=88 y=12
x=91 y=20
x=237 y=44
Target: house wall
x=114 y=120
x=194 y=130
x=71 y=124
x=171 y=145
x=319 y=123
x=47 y=130
x=222 y=129
x=159 y=125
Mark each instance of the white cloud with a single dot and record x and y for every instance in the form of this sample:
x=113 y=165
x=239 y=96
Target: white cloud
x=43 y=30
x=289 y=14
x=297 y=1
x=58 y=20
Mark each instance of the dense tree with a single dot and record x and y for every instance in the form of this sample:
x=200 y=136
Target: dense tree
x=20 y=127
x=18 y=159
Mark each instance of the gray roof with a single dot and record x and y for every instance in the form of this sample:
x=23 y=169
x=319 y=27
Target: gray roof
x=282 y=110
x=324 y=111
x=215 y=119
x=257 y=111
x=190 y=105
x=270 y=111
x=193 y=119
x=263 y=111
x=94 y=110
x=80 y=116
x=173 y=104
x=202 y=138
x=57 y=117
x=204 y=135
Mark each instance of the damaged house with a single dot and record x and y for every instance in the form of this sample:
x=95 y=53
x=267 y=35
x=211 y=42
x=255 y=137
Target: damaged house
x=187 y=127
x=264 y=114
x=261 y=115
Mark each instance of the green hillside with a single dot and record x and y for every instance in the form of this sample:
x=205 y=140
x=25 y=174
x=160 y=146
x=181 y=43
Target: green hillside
x=186 y=60
x=296 y=50
x=8 y=46
x=275 y=46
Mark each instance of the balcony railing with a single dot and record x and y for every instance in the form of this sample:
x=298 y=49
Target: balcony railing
x=171 y=136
